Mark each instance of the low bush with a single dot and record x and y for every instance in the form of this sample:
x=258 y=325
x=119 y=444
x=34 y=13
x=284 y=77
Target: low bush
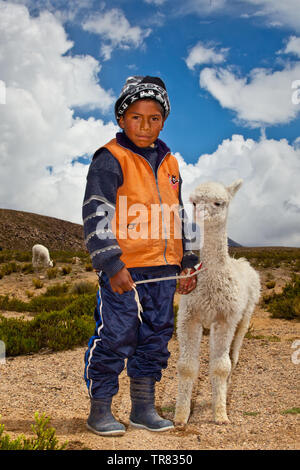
x=83 y=287
x=270 y=284
x=8 y=268
x=38 y=304
x=44 y=437
x=52 y=273
x=269 y=257
x=287 y=303
x=55 y=330
x=6 y=256
x=23 y=256
x=27 y=268
x=38 y=284
x=66 y=270
x=57 y=289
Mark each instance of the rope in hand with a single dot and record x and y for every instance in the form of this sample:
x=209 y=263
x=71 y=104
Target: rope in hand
x=194 y=272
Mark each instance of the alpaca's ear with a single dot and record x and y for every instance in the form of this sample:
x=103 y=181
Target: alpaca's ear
x=234 y=187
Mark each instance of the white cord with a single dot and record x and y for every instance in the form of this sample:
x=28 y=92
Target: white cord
x=195 y=273
x=136 y=295
x=140 y=308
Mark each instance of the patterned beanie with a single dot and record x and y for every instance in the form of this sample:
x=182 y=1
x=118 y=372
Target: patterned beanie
x=138 y=88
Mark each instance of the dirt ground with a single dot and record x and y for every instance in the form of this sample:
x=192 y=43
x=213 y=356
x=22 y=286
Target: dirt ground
x=264 y=386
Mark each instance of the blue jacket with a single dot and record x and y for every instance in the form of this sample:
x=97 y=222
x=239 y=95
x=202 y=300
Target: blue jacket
x=103 y=180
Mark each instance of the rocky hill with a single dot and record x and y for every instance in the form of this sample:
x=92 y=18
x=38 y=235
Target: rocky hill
x=21 y=230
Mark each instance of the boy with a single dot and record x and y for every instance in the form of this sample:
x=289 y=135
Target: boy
x=134 y=173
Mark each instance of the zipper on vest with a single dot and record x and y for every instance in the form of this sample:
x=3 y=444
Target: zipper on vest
x=160 y=200
x=162 y=209
x=159 y=195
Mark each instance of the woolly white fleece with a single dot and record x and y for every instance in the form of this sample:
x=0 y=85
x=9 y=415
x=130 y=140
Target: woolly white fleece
x=223 y=300
x=41 y=256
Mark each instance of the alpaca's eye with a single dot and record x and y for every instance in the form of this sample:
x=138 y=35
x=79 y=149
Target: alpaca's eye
x=194 y=204
x=217 y=204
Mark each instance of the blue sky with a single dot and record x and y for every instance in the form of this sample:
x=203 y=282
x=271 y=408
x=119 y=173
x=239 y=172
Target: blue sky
x=250 y=44
x=229 y=66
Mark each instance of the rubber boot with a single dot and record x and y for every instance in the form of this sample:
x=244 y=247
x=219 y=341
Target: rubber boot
x=101 y=421
x=143 y=413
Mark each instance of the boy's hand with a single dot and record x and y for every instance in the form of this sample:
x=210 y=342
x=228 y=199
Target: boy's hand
x=122 y=281
x=185 y=286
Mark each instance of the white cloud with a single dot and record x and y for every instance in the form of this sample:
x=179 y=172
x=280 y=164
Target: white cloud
x=266 y=210
x=156 y=2
x=37 y=124
x=278 y=12
x=273 y=13
x=115 y=29
x=205 y=54
x=292 y=46
x=265 y=98
x=201 y=7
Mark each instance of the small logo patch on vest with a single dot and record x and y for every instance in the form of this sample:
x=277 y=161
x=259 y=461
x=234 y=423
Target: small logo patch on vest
x=174 y=181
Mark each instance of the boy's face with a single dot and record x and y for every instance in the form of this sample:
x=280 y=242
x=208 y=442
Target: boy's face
x=142 y=122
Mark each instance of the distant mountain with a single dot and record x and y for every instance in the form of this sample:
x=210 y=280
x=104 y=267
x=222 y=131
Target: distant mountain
x=21 y=230
x=194 y=230
x=233 y=243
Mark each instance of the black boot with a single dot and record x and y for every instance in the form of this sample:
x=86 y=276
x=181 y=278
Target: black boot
x=101 y=420
x=143 y=413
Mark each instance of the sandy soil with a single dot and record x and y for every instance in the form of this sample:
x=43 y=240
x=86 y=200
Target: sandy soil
x=264 y=385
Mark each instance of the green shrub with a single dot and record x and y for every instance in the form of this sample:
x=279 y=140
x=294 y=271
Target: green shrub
x=297 y=266
x=52 y=273
x=23 y=256
x=45 y=303
x=9 y=268
x=55 y=330
x=63 y=256
x=83 y=287
x=56 y=297
x=66 y=270
x=270 y=284
x=5 y=256
x=38 y=304
x=38 y=284
x=287 y=303
x=27 y=268
x=13 y=304
x=292 y=411
x=57 y=289
x=268 y=257
x=44 y=439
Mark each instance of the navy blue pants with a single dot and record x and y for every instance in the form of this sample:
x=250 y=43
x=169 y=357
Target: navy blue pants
x=119 y=334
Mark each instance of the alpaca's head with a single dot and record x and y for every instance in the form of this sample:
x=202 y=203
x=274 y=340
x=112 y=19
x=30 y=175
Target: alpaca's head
x=211 y=201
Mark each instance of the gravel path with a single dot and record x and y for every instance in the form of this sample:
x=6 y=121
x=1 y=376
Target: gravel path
x=264 y=384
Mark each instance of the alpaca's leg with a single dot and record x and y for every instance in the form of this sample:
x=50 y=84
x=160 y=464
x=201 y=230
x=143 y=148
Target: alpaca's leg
x=239 y=335
x=220 y=366
x=189 y=337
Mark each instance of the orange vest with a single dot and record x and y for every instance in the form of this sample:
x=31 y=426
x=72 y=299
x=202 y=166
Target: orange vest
x=146 y=222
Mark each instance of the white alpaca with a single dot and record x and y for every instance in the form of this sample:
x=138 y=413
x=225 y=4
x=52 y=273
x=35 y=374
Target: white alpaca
x=41 y=256
x=224 y=300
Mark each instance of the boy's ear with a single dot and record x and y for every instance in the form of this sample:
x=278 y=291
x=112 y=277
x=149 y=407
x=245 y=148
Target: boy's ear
x=121 y=122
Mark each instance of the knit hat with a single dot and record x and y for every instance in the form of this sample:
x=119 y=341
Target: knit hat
x=137 y=88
